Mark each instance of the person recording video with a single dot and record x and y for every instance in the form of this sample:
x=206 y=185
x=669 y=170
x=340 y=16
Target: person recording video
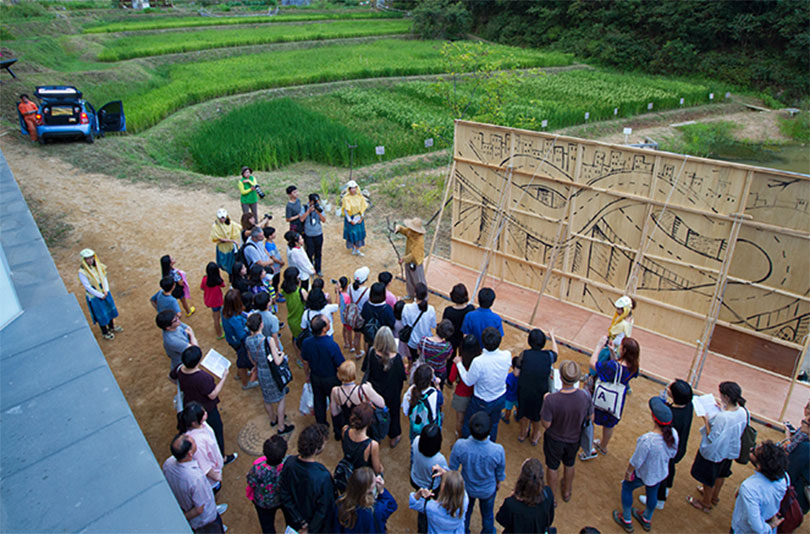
x=313 y=231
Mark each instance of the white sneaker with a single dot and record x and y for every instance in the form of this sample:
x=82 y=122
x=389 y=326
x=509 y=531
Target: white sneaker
x=224 y=528
x=222 y=508
x=643 y=500
x=585 y=457
x=360 y=254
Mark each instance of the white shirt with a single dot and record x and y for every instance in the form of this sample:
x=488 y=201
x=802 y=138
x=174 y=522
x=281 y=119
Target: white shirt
x=359 y=296
x=297 y=257
x=488 y=374
x=326 y=311
x=425 y=326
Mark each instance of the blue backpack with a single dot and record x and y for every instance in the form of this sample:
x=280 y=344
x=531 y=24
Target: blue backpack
x=421 y=414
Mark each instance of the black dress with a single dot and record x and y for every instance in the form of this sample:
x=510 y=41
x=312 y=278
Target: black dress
x=388 y=384
x=517 y=516
x=456 y=317
x=533 y=382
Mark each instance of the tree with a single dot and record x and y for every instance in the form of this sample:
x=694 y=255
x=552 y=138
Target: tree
x=441 y=19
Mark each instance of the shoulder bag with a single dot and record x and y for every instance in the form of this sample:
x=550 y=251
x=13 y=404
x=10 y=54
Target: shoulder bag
x=609 y=396
x=282 y=375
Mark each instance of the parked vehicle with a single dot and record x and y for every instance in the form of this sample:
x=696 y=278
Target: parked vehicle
x=64 y=113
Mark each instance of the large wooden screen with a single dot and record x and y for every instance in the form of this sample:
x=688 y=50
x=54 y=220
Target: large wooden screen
x=698 y=241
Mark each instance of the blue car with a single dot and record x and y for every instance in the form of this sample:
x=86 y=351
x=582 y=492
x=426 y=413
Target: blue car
x=64 y=113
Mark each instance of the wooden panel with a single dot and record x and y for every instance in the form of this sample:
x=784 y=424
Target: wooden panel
x=657 y=223
x=754 y=350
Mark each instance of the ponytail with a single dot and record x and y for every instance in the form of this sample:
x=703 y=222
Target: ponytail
x=356 y=285
x=669 y=437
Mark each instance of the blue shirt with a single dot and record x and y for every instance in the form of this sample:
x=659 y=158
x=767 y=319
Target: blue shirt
x=483 y=465
x=757 y=501
x=477 y=320
x=511 y=387
x=439 y=520
x=273 y=252
x=165 y=302
x=422 y=467
x=235 y=328
x=368 y=522
x=322 y=354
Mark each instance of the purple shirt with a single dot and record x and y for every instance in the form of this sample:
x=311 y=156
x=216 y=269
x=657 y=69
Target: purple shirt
x=191 y=489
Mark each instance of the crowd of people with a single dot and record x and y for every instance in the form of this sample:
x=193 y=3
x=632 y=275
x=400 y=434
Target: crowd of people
x=398 y=357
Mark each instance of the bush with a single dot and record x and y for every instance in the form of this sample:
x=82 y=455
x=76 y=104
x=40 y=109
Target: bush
x=441 y=19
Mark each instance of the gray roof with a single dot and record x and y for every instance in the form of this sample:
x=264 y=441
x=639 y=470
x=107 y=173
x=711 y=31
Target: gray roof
x=72 y=456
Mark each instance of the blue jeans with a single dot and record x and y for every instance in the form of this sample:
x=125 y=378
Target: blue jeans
x=492 y=408
x=487 y=507
x=627 y=498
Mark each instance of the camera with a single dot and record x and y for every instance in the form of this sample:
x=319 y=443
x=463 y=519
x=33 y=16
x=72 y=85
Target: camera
x=314 y=199
x=268 y=216
x=334 y=281
x=259 y=191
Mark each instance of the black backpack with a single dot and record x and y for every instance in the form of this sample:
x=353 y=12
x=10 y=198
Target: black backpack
x=343 y=471
x=370 y=329
x=240 y=254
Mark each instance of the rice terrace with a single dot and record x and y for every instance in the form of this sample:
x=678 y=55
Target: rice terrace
x=495 y=122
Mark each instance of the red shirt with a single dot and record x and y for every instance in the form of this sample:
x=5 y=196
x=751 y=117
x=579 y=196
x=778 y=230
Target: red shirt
x=212 y=296
x=462 y=389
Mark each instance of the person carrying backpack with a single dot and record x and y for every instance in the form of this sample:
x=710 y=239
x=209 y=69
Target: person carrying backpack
x=358 y=296
x=376 y=314
x=344 y=397
x=422 y=402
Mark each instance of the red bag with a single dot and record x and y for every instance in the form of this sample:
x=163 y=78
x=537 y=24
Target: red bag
x=789 y=509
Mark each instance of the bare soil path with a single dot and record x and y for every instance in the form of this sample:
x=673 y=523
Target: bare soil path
x=130 y=225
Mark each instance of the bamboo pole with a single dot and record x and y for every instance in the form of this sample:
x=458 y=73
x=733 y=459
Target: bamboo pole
x=447 y=186
x=793 y=378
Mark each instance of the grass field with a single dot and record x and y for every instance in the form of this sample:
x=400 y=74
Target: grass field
x=181 y=85
x=165 y=23
x=371 y=117
x=171 y=43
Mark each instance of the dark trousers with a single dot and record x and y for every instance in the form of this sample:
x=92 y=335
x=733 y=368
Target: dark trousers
x=492 y=408
x=276 y=279
x=215 y=420
x=314 y=246
x=394 y=404
x=667 y=483
x=267 y=519
x=321 y=388
x=105 y=329
x=214 y=527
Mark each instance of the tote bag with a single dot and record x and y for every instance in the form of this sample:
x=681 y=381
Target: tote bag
x=609 y=396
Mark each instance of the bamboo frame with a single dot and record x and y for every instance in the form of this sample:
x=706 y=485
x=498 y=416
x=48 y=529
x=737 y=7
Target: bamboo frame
x=447 y=186
x=794 y=378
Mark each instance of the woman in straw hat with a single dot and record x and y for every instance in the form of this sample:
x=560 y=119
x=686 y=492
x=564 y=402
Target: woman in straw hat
x=225 y=234
x=93 y=276
x=354 y=226
x=414 y=231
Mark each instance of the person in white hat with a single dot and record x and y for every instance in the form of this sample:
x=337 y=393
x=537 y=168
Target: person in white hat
x=93 y=276
x=354 y=226
x=622 y=324
x=414 y=231
x=225 y=233
x=358 y=295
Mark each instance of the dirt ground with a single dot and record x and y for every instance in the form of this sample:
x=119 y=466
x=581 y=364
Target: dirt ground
x=131 y=225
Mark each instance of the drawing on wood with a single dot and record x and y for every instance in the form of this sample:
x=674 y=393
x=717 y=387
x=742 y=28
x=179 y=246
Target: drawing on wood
x=677 y=232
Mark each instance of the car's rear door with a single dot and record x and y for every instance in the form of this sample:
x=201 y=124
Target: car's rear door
x=111 y=117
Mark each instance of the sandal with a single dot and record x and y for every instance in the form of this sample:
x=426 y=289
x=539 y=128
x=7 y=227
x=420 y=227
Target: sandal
x=697 y=504
x=598 y=446
x=395 y=441
x=521 y=439
x=715 y=500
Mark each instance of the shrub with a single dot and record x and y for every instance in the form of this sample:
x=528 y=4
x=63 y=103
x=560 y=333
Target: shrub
x=441 y=19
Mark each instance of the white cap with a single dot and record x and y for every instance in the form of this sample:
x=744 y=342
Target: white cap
x=361 y=274
x=87 y=253
x=623 y=302
x=351 y=183
x=222 y=213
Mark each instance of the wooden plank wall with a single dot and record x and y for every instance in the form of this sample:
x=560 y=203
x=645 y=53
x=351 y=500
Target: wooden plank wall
x=629 y=218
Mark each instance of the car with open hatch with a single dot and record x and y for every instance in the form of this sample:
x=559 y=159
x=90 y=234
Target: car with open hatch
x=63 y=113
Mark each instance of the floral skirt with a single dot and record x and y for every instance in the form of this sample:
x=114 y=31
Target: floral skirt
x=354 y=234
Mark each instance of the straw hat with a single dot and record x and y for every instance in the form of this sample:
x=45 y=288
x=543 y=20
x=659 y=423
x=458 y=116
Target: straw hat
x=415 y=224
x=623 y=302
x=569 y=371
x=87 y=253
x=222 y=213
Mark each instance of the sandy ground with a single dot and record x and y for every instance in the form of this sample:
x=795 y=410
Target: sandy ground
x=131 y=225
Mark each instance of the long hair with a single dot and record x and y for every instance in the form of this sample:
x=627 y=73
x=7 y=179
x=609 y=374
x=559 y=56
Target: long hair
x=422 y=379
x=631 y=354
x=384 y=346
x=733 y=393
x=232 y=305
x=165 y=265
x=469 y=350
x=421 y=291
x=529 y=485
x=246 y=224
x=192 y=413
x=451 y=493
x=666 y=432
x=290 y=283
x=212 y=276
x=357 y=495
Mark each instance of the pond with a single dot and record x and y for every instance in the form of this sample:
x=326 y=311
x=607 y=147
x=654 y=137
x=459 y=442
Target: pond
x=788 y=157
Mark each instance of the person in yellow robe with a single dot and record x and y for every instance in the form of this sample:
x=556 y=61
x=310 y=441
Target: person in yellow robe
x=354 y=206
x=225 y=234
x=414 y=231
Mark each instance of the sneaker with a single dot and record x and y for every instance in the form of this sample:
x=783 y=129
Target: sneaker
x=224 y=528
x=222 y=508
x=222 y=337
x=281 y=325
x=626 y=525
x=280 y=299
x=320 y=274
x=191 y=311
x=230 y=458
x=354 y=252
x=645 y=523
x=361 y=254
x=118 y=328
x=251 y=385
x=643 y=500
x=108 y=335
x=585 y=457
x=286 y=430
x=359 y=355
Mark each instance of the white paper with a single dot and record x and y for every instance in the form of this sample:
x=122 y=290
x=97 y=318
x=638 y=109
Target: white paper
x=705 y=405
x=558 y=381
x=216 y=363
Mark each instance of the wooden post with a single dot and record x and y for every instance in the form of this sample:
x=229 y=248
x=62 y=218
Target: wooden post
x=702 y=349
x=449 y=183
x=793 y=378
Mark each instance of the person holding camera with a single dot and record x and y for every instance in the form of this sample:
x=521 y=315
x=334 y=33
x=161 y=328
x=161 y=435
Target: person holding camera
x=250 y=192
x=313 y=231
